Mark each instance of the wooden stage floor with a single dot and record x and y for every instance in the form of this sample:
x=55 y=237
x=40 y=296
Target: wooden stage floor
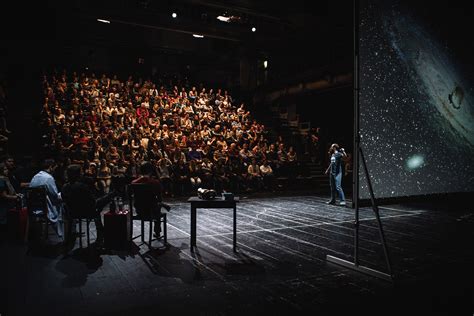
x=280 y=265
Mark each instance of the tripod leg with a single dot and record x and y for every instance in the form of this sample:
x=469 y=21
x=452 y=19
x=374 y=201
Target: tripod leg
x=376 y=211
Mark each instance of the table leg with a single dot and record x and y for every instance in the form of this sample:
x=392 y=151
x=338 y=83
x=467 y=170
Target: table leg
x=235 y=228
x=193 y=227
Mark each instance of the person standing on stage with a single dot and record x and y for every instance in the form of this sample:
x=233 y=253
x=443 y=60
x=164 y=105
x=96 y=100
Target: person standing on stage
x=335 y=171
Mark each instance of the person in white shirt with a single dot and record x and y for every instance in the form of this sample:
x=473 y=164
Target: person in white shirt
x=153 y=91
x=54 y=202
x=108 y=109
x=146 y=103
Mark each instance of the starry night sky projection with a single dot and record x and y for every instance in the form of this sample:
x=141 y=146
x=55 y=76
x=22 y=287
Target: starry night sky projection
x=416 y=101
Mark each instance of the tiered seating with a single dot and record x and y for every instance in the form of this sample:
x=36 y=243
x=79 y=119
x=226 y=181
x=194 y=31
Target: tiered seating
x=193 y=138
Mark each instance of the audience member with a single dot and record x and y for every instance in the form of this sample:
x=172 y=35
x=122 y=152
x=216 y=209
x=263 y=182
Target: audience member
x=54 y=201
x=147 y=176
x=81 y=200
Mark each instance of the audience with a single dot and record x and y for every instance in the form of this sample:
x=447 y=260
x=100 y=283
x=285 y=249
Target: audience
x=191 y=137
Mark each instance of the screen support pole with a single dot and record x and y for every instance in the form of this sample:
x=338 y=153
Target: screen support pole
x=355 y=180
x=355 y=265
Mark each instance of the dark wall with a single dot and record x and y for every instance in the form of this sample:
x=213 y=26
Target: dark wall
x=22 y=71
x=333 y=111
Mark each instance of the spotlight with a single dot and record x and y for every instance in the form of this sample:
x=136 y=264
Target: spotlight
x=103 y=21
x=223 y=18
x=265 y=64
x=198 y=35
x=254 y=29
x=174 y=15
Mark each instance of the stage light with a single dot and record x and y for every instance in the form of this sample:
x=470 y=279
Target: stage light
x=174 y=15
x=198 y=35
x=254 y=29
x=103 y=21
x=223 y=18
x=265 y=64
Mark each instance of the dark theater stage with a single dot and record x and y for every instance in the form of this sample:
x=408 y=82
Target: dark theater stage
x=279 y=266
x=276 y=102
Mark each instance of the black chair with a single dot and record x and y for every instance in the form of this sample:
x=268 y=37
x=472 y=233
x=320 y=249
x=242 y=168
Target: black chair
x=37 y=205
x=144 y=202
x=79 y=213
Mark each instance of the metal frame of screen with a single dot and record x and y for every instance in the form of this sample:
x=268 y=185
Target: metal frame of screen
x=359 y=155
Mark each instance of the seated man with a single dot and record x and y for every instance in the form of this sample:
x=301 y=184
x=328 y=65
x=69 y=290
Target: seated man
x=45 y=178
x=147 y=177
x=80 y=200
x=8 y=196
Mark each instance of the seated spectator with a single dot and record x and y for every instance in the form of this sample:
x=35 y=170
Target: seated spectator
x=14 y=176
x=80 y=200
x=255 y=177
x=291 y=162
x=194 y=172
x=104 y=176
x=55 y=210
x=8 y=196
x=207 y=172
x=220 y=155
x=164 y=172
x=113 y=155
x=282 y=160
x=180 y=173
x=194 y=154
x=221 y=178
x=147 y=177
x=268 y=176
x=245 y=153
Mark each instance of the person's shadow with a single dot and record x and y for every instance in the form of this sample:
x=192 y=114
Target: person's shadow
x=244 y=266
x=38 y=246
x=78 y=265
x=171 y=263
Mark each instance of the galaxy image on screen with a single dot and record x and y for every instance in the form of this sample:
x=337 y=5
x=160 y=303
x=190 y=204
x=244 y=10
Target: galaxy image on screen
x=416 y=98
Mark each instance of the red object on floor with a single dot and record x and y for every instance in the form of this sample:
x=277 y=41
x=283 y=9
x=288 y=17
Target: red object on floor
x=16 y=223
x=117 y=230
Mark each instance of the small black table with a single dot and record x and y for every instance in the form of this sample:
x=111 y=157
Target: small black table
x=216 y=203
